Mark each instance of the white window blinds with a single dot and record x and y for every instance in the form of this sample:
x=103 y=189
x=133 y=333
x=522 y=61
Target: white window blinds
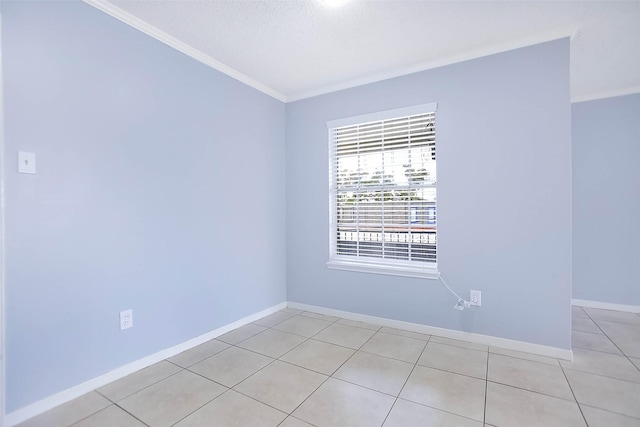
x=383 y=190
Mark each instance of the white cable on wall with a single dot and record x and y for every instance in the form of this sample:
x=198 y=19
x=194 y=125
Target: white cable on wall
x=462 y=303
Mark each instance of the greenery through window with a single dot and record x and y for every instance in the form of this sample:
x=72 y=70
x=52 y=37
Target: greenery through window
x=383 y=190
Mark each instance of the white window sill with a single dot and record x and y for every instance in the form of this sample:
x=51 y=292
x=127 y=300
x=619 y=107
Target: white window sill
x=379 y=268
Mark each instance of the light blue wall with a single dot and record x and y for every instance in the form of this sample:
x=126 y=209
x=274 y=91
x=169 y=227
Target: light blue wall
x=606 y=200
x=160 y=188
x=504 y=197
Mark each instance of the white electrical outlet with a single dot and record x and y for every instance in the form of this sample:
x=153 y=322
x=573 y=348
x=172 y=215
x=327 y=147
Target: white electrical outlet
x=126 y=319
x=26 y=162
x=476 y=298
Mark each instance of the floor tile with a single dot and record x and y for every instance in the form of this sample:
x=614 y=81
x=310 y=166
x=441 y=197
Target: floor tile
x=578 y=312
x=240 y=334
x=371 y=365
x=272 y=343
x=599 y=418
x=599 y=342
x=345 y=335
x=231 y=366
x=111 y=416
x=509 y=406
x=409 y=414
x=294 y=422
x=170 y=400
x=318 y=356
x=613 y=316
x=450 y=392
x=135 y=382
x=451 y=358
x=625 y=337
x=302 y=325
x=597 y=362
x=585 y=325
x=458 y=343
x=274 y=319
x=525 y=374
x=232 y=409
x=357 y=324
x=198 y=353
x=395 y=346
x=403 y=333
x=605 y=393
x=340 y=404
x=70 y=412
x=375 y=372
x=525 y=356
x=281 y=385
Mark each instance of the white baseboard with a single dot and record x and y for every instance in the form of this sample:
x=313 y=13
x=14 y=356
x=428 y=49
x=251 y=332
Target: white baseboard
x=606 y=305
x=37 y=408
x=542 y=350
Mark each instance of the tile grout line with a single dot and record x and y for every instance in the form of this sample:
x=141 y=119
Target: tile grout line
x=338 y=368
x=232 y=387
x=116 y=404
x=610 y=412
x=307 y=339
x=612 y=342
x=131 y=414
x=143 y=388
x=209 y=379
x=573 y=394
x=407 y=380
x=323 y=382
x=531 y=391
x=259 y=370
x=428 y=341
x=486 y=389
x=337 y=320
x=106 y=407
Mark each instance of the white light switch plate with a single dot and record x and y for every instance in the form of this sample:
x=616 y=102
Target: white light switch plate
x=26 y=162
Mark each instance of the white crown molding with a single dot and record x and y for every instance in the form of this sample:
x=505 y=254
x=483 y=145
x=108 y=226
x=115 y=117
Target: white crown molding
x=542 y=350
x=606 y=305
x=150 y=30
x=65 y=396
x=606 y=94
x=453 y=59
x=135 y=22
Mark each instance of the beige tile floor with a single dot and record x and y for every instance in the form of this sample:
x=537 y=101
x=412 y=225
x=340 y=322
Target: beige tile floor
x=301 y=369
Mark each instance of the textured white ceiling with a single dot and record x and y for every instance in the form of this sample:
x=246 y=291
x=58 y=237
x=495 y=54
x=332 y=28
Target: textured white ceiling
x=296 y=49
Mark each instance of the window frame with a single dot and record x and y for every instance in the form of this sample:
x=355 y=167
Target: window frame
x=405 y=268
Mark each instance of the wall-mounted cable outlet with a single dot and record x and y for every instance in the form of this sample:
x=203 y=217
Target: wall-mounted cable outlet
x=475 y=298
x=462 y=304
x=126 y=319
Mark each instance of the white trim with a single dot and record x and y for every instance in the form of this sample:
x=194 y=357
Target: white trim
x=3 y=371
x=413 y=110
x=605 y=94
x=454 y=59
x=156 y=33
x=150 y=30
x=379 y=268
x=374 y=265
x=52 y=401
x=542 y=350
x=606 y=305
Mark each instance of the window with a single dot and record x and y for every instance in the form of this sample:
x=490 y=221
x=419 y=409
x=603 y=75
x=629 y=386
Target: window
x=382 y=186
